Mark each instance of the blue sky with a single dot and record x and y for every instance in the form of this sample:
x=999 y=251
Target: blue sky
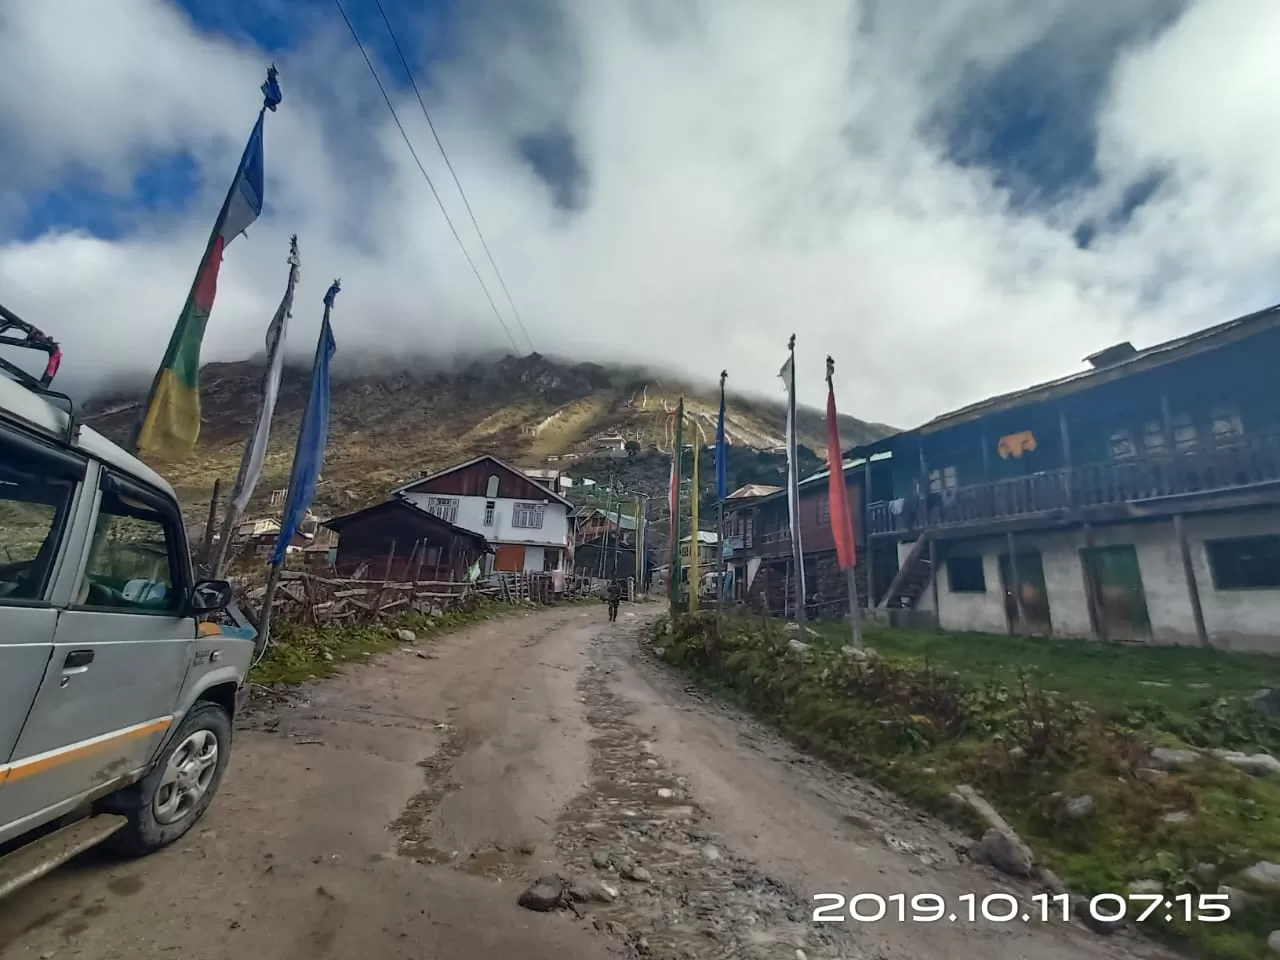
x=1005 y=187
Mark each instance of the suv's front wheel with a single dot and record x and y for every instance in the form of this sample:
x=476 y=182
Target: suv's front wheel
x=164 y=804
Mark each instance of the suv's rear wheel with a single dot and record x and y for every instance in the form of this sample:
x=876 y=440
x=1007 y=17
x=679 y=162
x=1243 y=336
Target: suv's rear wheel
x=164 y=804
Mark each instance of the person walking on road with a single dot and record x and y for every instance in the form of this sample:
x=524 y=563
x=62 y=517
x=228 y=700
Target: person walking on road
x=614 y=596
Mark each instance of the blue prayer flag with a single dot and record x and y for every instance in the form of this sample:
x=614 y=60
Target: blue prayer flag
x=313 y=435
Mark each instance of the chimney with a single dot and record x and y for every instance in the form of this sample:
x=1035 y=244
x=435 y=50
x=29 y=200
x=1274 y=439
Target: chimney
x=1111 y=355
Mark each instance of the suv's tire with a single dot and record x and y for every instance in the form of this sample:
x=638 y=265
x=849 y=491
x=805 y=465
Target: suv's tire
x=164 y=804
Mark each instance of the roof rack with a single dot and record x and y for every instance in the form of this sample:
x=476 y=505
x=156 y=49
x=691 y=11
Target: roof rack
x=16 y=332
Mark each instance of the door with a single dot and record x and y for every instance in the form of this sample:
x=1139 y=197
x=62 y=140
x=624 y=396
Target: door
x=1119 y=602
x=509 y=558
x=1033 y=616
x=38 y=488
x=120 y=652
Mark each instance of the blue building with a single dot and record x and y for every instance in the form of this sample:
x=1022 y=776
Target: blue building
x=1136 y=500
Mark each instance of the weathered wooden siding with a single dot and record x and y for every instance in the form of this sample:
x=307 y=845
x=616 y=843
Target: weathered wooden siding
x=473 y=481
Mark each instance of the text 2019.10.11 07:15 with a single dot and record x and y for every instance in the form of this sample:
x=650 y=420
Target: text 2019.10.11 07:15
x=1006 y=908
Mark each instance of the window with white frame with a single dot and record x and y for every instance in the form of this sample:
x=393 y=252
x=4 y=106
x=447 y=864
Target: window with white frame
x=1122 y=446
x=1184 y=433
x=1227 y=424
x=1154 y=441
x=527 y=516
x=944 y=479
x=488 y=513
x=446 y=508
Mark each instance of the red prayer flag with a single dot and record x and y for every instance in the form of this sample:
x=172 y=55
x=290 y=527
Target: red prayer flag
x=841 y=519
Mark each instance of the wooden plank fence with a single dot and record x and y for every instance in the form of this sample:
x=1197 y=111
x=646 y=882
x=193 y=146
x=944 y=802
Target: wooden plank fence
x=309 y=598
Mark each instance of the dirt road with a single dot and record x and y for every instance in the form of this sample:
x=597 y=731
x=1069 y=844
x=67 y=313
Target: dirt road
x=398 y=811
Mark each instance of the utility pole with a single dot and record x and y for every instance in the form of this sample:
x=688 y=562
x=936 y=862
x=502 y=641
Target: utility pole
x=720 y=452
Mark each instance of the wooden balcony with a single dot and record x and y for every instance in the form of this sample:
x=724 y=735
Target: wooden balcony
x=1104 y=490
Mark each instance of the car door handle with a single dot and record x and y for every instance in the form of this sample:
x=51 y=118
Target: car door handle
x=78 y=660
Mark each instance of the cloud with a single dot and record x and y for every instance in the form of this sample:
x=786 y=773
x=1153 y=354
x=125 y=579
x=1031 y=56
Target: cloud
x=678 y=182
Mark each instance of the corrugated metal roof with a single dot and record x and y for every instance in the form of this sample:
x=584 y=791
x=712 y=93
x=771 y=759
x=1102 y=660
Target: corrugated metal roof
x=1154 y=356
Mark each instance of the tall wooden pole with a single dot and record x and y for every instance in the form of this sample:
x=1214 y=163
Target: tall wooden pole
x=1193 y=589
x=695 y=545
x=793 y=478
x=724 y=375
x=207 y=559
x=1016 y=584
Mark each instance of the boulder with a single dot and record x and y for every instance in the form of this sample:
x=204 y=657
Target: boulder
x=1080 y=906
x=636 y=874
x=546 y=893
x=406 y=636
x=1205 y=872
x=1237 y=899
x=799 y=646
x=1146 y=886
x=1080 y=807
x=591 y=890
x=1167 y=758
x=1273 y=941
x=601 y=859
x=1177 y=816
x=1259 y=764
x=1264 y=873
x=1266 y=701
x=1007 y=854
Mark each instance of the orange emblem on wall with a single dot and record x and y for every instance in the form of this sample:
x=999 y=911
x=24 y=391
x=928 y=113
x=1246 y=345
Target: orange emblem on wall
x=1016 y=444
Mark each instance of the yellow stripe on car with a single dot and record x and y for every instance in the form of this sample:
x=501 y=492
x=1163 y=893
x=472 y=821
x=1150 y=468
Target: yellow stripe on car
x=30 y=766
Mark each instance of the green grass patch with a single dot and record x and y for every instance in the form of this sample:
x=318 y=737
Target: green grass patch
x=300 y=652
x=1188 y=694
x=1029 y=732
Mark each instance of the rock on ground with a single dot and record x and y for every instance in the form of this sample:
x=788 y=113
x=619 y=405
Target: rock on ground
x=406 y=636
x=1172 y=757
x=1080 y=807
x=1264 y=873
x=591 y=890
x=546 y=893
x=1266 y=701
x=1262 y=764
x=1006 y=854
x=1146 y=886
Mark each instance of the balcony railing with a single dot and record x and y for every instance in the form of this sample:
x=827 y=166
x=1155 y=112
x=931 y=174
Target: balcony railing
x=1243 y=463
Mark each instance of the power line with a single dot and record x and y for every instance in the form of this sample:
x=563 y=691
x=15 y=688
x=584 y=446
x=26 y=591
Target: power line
x=471 y=213
x=425 y=175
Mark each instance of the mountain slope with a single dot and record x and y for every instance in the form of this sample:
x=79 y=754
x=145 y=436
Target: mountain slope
x=391 y=423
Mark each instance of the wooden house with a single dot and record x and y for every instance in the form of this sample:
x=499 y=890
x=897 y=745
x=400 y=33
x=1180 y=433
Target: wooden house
x=1136 y=500
x=400 y=538
x=758 y=546
x=527 y=523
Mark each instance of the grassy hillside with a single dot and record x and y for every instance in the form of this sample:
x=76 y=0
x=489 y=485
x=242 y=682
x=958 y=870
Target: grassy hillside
x=389 y=424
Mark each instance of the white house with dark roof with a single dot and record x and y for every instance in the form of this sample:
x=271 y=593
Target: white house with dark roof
x=526 y=521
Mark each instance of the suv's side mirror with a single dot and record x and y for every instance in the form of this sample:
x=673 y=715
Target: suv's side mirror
x=209 y=596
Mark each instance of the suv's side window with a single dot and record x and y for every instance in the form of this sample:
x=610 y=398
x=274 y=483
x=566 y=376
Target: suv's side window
x=35 y=497
x=130 y=564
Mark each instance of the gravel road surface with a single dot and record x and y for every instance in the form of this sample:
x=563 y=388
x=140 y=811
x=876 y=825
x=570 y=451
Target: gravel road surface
x=399 y=810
